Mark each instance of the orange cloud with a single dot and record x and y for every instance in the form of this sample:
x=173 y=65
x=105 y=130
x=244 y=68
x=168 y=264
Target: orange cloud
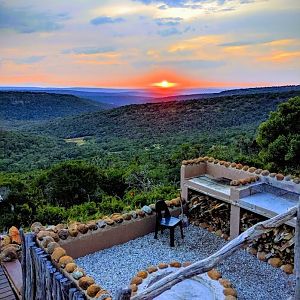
x=281 y=57
x=196 y=43
x=282 y=42
x=100 y=62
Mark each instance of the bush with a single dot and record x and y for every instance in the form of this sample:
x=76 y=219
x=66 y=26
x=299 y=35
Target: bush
x=138 y=199
x=83 y=212
x=110 y=204
x=51 y=215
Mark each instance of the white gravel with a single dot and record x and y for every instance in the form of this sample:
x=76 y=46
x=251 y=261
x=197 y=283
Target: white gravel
x=114 y=267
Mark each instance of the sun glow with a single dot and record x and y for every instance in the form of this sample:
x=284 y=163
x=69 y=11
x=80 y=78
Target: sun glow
x=164 y=84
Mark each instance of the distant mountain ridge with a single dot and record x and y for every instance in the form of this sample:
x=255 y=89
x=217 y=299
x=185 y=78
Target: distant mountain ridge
x=120 y=97
x=245 y=91
x=34 y=106
x=169 y=118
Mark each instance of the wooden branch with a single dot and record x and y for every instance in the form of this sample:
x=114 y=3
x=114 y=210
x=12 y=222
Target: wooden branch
x=210 y=262
x=297 y=255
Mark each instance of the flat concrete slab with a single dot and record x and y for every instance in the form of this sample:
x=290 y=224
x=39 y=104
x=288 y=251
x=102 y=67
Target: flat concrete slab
x=267 y=204
x=209 y=186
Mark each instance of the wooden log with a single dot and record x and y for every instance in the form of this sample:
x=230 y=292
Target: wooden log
x=210 y=262
x=297 y=254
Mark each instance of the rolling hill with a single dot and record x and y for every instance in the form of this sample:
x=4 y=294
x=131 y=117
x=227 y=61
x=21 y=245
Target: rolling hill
x=37 y=106
x=169 y=119
x=232 y=92
x=155 y=130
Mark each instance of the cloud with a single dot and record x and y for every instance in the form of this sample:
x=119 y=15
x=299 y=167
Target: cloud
x=28 y=21
x=29 y=59
x=168 y=21
x=174 y=31
x=190 y=63
x=266 y=42
x=196 y=63
x=89 y=50
x=106 y=20
x=169 y=31
x=239 y=43
x=192 y=4
x=281 y=57
x=196 y=43
x=167 y=3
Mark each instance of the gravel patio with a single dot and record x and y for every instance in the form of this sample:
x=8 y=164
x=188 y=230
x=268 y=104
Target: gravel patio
x=251 y=278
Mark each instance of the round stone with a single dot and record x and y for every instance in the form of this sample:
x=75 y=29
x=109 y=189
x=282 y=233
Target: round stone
x=147 y=209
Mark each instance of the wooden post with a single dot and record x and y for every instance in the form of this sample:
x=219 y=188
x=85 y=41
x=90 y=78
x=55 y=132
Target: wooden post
x=297 y=254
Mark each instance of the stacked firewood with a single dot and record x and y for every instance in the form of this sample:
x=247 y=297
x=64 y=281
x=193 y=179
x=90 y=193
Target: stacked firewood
x=211 y=214
x=248 y=219
x=275 y=246
x=278 y=243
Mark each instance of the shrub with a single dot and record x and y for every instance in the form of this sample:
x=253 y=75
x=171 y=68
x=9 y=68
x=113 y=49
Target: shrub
x=83 y=212
x=110 y=204
x=51 y=215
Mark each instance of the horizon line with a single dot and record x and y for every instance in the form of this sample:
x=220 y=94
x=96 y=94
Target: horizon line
x=136 y=88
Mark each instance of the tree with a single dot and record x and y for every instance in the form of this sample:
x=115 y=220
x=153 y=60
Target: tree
x=279 y=137
x=70 y=183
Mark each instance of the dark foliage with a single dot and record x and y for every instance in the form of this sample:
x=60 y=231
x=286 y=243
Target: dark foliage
x=279 y=137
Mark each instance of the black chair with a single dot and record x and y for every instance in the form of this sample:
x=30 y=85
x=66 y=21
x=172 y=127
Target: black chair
x=166 y=221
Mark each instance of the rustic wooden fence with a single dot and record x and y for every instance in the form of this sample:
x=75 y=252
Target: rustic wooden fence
x=207 y=264
x=41 y=279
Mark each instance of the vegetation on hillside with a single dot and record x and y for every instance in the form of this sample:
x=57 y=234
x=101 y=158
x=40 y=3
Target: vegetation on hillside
x=279 y=137
x=131 y=156
x=37 y=106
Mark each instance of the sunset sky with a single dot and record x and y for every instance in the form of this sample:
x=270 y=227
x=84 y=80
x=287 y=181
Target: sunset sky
x=137 y=43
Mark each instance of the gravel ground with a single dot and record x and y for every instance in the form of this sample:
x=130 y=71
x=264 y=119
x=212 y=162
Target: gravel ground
x=115 y=267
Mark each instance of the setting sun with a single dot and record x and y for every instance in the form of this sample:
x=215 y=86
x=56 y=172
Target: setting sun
x=164 y=84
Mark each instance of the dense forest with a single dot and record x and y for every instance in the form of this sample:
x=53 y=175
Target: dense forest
x=130 y=156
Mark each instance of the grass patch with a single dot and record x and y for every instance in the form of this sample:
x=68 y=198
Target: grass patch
x=78 y=141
